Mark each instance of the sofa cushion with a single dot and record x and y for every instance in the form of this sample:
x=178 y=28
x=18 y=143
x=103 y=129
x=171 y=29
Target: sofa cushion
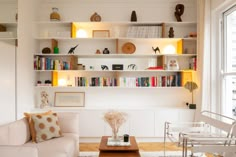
x=18 y=151
x=58 y=147
x=69 y=122
x=15 y=133
x=31 y=123
x=46 y=127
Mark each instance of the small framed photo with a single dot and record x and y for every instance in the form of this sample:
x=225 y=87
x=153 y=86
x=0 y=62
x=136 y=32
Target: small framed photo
x=69 y=99
x=101 y=33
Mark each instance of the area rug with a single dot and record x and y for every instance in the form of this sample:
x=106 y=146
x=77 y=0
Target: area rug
x=143 y=154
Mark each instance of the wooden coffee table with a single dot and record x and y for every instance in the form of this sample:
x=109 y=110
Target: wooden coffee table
x=118 y=151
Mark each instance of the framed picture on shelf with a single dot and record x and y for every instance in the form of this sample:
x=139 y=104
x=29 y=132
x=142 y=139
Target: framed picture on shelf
x=101 y=33
x=69 y=99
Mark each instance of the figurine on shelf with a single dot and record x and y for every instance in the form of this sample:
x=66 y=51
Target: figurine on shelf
x=133 y=16
x=132 y=67
x=171 y=32
x=98 y=51
x=95 y=17
x=104 y=67
x=44 y=100
x=156 y=49
x=46 y=50
x=173 y=64
x=71 y=51
x=179 y=10
x=55 y=16
x=106 y=51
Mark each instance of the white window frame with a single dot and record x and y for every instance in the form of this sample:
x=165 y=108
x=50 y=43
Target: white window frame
x=215 y=101
x=225 y=108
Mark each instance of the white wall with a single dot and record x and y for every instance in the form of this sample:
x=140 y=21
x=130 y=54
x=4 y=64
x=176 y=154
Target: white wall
x=7 y=81
x=25 y=75
x=8 y=66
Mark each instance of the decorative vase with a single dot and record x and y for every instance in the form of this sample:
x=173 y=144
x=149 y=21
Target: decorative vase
x=106 y=51
x=95 y=17
x=115 y=119
x=133 y=16
x=115 y=136
x=54 y=16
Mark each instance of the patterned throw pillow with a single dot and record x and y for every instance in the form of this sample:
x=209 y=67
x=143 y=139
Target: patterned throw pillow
x=31 y=123
x=46 y=127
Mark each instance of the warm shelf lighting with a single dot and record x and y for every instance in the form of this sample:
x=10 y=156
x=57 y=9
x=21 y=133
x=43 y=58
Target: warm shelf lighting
x=169 y=49
x=62 y=82
x=81 y=33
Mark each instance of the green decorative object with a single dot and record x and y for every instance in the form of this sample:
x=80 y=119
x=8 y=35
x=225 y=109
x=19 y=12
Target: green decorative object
x=56 y=50
x=191 y=86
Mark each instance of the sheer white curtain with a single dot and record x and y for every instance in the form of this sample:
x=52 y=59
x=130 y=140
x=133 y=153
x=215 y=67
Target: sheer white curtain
x=204 y=55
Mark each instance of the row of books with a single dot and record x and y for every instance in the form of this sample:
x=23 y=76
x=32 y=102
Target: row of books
x=144 y=32
x=95 y=81
x=153 y=81
x=43 y=63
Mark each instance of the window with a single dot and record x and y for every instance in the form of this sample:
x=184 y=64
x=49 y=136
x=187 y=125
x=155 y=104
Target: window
x=229 y=63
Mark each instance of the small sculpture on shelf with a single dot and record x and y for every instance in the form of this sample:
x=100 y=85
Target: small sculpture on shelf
x=104 y=67
x=55 y=16
x=173 y=64
x=95 y=17
x=44 y=100
x=106 y=51
x=132 y=67
x=171 y=32
x=3 y=28
x=98 y=51
x=46 y=50
x=156 y=49
x=133 y=16
x=48 y=82
x=179 y=10
x=71 y=51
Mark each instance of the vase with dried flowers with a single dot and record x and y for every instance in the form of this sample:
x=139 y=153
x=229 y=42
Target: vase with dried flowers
x=115 y=119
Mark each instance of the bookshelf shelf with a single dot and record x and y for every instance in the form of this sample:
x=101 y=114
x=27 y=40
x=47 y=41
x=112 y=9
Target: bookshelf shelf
x=114 y=55
x=117 y=87
x=113 y=71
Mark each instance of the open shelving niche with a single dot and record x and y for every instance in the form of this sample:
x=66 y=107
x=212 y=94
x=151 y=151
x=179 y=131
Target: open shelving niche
x=65 y=34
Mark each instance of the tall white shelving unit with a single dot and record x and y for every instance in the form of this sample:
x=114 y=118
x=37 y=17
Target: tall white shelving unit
x=147 y=106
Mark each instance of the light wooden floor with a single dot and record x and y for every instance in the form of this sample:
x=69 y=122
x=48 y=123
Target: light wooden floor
x=147 y=146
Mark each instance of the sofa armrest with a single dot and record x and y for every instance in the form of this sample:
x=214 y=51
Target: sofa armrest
x=13 y=151
x=69 y=122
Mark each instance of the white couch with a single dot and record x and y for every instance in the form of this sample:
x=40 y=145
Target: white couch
x=15 y=139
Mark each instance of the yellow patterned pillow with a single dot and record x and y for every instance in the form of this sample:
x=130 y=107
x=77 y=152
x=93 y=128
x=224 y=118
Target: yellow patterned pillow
x=46 y=126
x=31 y=123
